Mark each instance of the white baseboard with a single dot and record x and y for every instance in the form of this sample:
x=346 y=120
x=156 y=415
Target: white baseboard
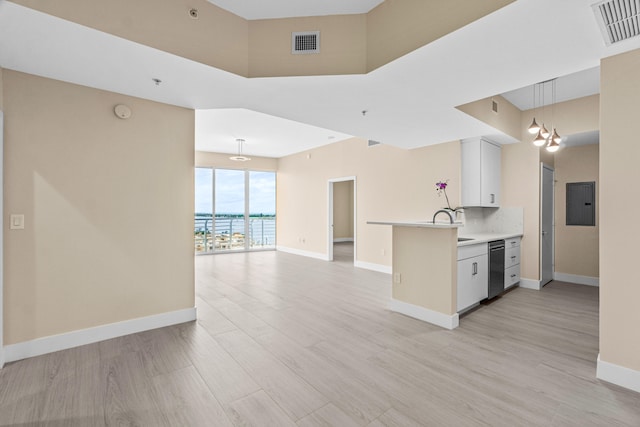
x=435 y=317
x=343 y=239
x=80 y=337
x=574 y=278
x=618 y=375
x=371 y=266
x=530 y=284
x=300 y=252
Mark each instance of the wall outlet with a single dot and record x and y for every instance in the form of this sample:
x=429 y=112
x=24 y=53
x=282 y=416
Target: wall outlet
x=397 y=278
x=17 y=222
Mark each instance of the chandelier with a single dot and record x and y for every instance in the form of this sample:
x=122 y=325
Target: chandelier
x=240 y=157
x=543 y=136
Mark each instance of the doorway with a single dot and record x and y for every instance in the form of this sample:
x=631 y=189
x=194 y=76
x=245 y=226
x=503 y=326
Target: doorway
x=1 y=238
x=546 y=224
x=341 y=233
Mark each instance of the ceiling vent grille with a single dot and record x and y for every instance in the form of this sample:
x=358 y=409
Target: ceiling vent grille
x=305 y=42
x=618 y=19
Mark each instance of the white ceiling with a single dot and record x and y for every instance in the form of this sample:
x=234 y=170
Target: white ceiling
x=410 y=102
x=583 y=138
x=264 y=135
x=572 y=86
x=263 y=9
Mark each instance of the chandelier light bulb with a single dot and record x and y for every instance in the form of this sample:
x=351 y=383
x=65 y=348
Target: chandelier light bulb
x=553 y=146
x=544 y=132
x=540 y=140
x=534 y=128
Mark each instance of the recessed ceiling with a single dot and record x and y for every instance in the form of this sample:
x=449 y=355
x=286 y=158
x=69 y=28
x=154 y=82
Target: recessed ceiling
x=264 y=135
x=582 y=138
x=410 y=101
x=270 y=9
x=572 y=86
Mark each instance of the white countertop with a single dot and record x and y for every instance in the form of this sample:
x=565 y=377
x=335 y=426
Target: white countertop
x=423 y=224
x=484 y=237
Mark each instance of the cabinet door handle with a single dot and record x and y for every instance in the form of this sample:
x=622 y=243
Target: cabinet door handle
x=493 y=198
x=513 y=257
x=474 y=270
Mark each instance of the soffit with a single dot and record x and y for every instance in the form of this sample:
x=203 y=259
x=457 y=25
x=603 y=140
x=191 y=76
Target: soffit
x=260 y=9
x=410 y=101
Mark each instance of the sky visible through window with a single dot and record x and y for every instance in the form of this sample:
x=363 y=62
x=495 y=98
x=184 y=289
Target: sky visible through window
x=230 y=192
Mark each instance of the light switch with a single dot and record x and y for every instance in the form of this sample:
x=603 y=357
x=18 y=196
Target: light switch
x=17 y=222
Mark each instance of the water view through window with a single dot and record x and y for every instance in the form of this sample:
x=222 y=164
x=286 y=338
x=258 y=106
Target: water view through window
x=234 y=210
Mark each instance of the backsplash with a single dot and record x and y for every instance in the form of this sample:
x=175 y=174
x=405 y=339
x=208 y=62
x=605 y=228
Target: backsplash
x=490 y=220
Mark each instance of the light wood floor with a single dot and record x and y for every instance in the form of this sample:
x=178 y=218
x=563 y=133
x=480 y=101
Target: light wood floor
x=283 y=340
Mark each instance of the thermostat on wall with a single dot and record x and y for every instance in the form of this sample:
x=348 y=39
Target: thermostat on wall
x=122 y=111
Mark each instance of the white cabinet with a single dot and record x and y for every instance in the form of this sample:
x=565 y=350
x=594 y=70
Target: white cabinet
x=473 y=275
x=511 y=262
x=481 y=164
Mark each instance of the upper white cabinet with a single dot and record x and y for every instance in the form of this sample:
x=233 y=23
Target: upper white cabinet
x=480 y=173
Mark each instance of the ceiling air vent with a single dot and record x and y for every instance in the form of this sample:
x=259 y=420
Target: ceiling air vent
x=305 y=42
x=618 y=19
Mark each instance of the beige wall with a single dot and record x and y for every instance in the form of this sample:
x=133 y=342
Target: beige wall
x=349 y=44
x=508 y=118
x=108 y=207
x=576 y=249
x=521 y=169
x=619 y=178
x=392 y=184
x=1 y=91
x=426 y=270
x=217 y=38
x=220 y=160
x=342 y=46
x=397 y=27
x=343 y=210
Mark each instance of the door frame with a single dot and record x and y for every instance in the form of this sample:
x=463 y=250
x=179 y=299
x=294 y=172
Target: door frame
x=330 y=215
x=1 y=239
x=544 y=166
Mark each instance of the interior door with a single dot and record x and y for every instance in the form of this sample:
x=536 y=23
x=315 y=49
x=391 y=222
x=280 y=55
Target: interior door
x=546 y=226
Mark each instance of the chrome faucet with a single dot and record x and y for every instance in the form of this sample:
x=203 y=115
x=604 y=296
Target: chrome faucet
x=445 y=211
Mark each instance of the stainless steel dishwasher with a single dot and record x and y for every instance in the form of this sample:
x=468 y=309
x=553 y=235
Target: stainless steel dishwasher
x=496 y=268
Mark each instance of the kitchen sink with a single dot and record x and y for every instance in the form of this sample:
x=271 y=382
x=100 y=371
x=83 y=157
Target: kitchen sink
x=464 y=239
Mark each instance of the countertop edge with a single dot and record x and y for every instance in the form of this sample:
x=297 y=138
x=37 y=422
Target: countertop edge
x=486 y=237
x=421 y=224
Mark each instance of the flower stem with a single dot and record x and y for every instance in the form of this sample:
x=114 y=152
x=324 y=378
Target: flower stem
x=447 y=197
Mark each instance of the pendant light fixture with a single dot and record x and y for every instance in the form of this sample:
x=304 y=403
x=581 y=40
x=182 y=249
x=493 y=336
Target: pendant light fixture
x=554 y=140
x=534 y=128
x=543 y=136
x=240 y=157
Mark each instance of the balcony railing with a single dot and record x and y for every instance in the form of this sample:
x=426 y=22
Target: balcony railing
x=227 y=233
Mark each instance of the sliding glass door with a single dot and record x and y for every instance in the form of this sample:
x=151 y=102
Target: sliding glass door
x=235 y=210
x=203 y=210
x=229 y=210
x=262 y=209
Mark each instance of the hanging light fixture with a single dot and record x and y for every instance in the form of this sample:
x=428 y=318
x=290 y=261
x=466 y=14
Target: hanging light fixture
x=543 y=136
x=540 y=140
x=534 y=128
x=240 y=157
x=553 y=146
x=554 y=140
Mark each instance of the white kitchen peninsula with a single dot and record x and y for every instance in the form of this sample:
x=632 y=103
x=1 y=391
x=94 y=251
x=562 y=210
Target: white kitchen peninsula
x=424 y=271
